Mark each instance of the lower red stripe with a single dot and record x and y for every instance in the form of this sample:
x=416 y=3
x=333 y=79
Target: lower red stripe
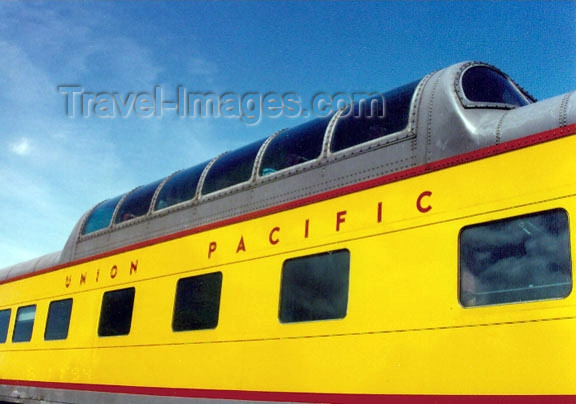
x=299 y=397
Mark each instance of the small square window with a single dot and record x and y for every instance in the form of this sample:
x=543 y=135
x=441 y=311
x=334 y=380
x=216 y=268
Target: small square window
x=58 y=320
x=197 y=303
x=24 y=324
x=315 y=287
x=116 y=312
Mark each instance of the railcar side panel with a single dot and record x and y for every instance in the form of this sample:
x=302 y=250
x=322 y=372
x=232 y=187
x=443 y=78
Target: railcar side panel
x=404 y=330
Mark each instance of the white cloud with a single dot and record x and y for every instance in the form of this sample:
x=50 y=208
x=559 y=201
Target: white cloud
x=22 y=147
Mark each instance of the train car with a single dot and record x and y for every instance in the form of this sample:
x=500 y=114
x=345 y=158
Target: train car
x=415 y=247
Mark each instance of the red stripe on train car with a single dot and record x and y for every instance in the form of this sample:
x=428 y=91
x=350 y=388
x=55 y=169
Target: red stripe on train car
x=490 y=151
x=333 y=398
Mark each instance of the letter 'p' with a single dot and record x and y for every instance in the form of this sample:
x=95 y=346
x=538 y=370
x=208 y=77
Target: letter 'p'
x=211 y=248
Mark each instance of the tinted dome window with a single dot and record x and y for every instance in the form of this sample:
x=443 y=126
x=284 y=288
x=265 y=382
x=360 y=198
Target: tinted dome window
x=294 y=146
x=137 y=202
x=374 y=118
x=101 y=216
x=231 y=168
x=180 y=187
x=482 y=84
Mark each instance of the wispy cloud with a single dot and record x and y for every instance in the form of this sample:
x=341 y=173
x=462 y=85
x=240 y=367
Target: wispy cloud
x=24 y=85
x=21 y=147
x=117 y=62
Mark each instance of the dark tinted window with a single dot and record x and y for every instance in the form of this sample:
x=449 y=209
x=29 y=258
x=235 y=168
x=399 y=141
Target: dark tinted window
x=315 y=287
x=137 y=202
x=58 y=320
x=116 y=312
x=374 y=118
x=232 y=168
x=294 y=146
x=4 y=324
x=180 y=187
x=24 y=324
x=101 y=216
x=197 y=303
x=514 y=260
x=485 y=85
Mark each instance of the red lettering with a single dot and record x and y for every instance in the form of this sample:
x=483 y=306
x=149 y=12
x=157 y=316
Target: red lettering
x=306 y=228
x=113 y=272
x=379 y=212
x=133 y=267
x=97 y=274
x=340 y=219
x=241 y=246
x=419 y=206
x=273 y=240
x=68 y=280
x=211 y=248
x=83 y=278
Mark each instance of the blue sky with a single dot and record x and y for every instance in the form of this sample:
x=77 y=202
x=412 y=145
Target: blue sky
x=54 y=167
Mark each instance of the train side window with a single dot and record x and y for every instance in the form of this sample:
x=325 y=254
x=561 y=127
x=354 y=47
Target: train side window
x=116 y=312
x=197 y=303
x=4 y=324
x=24 y=323
x=525 y=258
x=294 y=146
x=137 y=202
x=376 y=117
x=315 y=287
x=180 y=187
x=101 y=216
x=58 y=321
x=232 y=168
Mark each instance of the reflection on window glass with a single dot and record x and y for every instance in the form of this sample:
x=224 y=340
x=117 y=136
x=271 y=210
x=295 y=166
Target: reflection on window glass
x=4 y=323
x=197 y=303
x=374 y=118
x=482 y=84
x=101 y=216
x=137 y=202
x=232 y=168
x=520 y=259
x=294 y=146
x=58 y=320
x=116 y=312
x=24 y=324
x=315 y=287
x=180 y=187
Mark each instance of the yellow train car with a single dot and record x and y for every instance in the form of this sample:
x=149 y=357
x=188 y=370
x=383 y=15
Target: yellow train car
x=416 y=248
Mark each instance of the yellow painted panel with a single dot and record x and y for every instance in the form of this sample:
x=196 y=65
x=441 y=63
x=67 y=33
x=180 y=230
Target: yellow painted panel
x=404 y=332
